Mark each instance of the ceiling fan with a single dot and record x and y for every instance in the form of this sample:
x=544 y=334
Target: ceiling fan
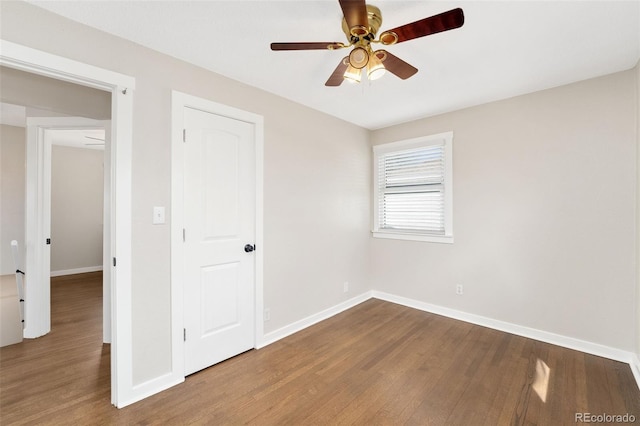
x=360 y=24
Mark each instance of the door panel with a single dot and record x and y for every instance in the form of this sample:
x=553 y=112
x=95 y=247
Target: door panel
x=221 y=158
x=220 y=294
x=219 y=215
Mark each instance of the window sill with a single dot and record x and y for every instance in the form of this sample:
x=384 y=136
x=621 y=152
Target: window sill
x=444 y=239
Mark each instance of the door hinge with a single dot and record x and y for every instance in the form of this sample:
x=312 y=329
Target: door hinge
x=184 y=135
x=114 y=261
x=184 y=334
x=184 y=235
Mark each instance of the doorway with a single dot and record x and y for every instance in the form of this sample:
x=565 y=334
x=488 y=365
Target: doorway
x=42 y=135
x=121 y=87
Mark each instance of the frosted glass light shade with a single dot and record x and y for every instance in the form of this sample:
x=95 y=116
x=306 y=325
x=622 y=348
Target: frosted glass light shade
x=352 y=75
x=358 y=57
x=375 y=69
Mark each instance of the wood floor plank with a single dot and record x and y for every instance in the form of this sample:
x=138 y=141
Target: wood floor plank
x=376 y=364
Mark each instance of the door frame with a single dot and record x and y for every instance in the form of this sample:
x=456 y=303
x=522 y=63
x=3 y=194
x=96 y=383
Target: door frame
x=38 y=223
x=121 y=87
x=180 y=101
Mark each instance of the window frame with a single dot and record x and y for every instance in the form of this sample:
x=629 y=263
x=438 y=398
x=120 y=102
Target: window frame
x=403 y=145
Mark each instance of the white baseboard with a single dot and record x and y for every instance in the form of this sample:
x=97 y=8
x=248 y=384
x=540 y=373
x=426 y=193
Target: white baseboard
x=151 y=387
x=519 y=330
x=288 y=330
x=635 y=368
x=159 y=384
x=531 y=333
x=76 y=271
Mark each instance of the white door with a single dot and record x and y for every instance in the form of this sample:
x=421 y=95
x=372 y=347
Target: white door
x=219 y=233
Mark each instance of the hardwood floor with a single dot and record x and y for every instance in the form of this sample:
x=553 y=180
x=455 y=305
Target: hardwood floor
x=376 y=364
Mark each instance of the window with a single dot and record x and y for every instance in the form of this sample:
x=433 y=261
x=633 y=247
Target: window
x=412 y=184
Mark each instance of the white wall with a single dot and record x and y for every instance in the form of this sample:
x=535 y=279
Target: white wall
x=637 y=325
x=44 y=93
x=544 y=226
x=77 y=179
x=316 y=182
x=12 y=192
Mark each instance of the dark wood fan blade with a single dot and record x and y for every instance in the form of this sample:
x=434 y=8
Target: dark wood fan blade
x=355 y=13
x=331 y=45
x=424 y=27
x=337 y=77
x=395 y=65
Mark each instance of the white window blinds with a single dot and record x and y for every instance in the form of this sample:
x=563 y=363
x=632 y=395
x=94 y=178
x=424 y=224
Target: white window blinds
x=411 y=190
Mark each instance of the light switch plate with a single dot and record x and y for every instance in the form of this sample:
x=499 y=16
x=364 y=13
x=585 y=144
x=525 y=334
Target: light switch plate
x=158 y=215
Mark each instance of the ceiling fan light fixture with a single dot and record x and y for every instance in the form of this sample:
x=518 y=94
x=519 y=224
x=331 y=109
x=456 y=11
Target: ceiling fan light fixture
x=360 y=24
x=375 y=68
x=359 y=57
x=352 y=75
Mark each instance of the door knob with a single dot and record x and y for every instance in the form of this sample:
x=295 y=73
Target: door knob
x=249 y=248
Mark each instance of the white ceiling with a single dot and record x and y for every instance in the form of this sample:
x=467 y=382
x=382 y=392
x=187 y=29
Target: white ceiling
x=504 y=49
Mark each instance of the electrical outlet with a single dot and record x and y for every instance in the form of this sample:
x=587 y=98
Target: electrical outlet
x=345 y=287
x=267 y=314
x=459 y=289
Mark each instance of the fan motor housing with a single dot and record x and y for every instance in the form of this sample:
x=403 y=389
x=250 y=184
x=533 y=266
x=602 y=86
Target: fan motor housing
x=375 y=21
